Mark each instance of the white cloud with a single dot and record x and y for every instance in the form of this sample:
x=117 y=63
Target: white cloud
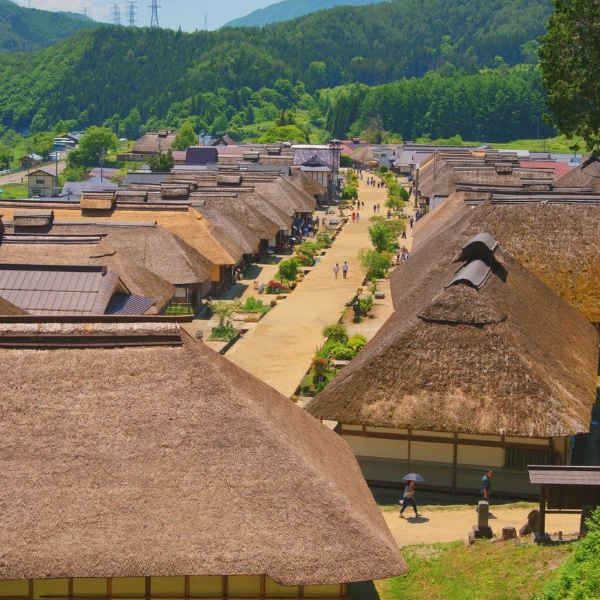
x=99 y=13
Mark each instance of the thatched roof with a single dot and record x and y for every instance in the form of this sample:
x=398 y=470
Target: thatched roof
x=153 y=143
x=230 y=233
x=91 y=200
x=586 y=174
x=241 y=211
x=286 y=196
x=559 y=243
x=509 y=358
x=68 y=250
x=270 y=210
x=170 y=461
x=306 y=182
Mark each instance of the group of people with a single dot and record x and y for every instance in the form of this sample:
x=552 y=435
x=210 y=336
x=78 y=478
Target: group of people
x=376 y=208
x=375 y=182
x=344 y=269
x=355 y=217
x=408 y=499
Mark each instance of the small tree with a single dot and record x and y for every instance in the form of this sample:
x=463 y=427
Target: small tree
x=373 y=264
x=336 y=332
x=288 y=269
x=185 y=138
x=225 y=310
x=381 y=237
x=161 y=163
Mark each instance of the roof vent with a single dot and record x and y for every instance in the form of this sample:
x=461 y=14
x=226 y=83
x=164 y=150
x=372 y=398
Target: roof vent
x=475 y=273
x=482 y=246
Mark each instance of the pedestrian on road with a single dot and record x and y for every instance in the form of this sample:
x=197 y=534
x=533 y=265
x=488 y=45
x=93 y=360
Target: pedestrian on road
x=317 y=222
x=363 y=205
x=374 y=208
x=357 y=217
x=411 y=221
x=344 y=269
x=336 y=270
x=409 y=498
x=378 y=208
x=486 y=485
x=353 y=216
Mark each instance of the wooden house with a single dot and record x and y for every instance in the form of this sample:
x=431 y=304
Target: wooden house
x=156 y=468
x=481 y=366
x=42 y=183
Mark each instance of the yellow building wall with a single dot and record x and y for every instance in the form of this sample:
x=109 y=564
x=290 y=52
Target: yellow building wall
x=237 y=586
x=480 y=455
x=363 y=446
x=427 y=451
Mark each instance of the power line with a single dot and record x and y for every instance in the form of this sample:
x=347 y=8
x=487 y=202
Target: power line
x=116 y=14
x=131 y=8
x=154 y=19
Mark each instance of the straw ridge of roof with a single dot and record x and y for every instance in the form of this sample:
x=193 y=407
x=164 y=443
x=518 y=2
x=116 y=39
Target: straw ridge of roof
x=286 y=196
x=173 y=461
x=269 y=210
x=490 y=368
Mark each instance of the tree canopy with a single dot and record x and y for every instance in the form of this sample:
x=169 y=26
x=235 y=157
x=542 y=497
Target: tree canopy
x=570 y=64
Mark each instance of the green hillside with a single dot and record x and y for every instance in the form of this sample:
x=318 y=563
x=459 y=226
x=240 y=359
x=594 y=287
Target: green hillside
x=231 y=79
x=26 y=29
x=291 y=9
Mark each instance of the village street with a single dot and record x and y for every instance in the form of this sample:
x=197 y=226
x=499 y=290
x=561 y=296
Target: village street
x=279 y=350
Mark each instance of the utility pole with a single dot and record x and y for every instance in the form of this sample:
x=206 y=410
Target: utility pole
x=131 y=8
x=116 y=14
x=154 y=19
x=205 y=22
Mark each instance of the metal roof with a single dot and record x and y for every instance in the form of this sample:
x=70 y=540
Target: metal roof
x=129 y=304
x=51 y=289
x=475 y=273
x=564 y=475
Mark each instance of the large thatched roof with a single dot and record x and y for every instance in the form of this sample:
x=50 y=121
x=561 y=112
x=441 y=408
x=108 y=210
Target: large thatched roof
x=306 y=183
x=169 y=460
x=508 y=358
x=558 y=242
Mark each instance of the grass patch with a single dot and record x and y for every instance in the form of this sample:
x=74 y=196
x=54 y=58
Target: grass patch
x=494 y=571
x=14 y=191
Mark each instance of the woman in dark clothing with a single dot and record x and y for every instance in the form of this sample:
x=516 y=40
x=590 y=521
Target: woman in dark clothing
x=409 y=499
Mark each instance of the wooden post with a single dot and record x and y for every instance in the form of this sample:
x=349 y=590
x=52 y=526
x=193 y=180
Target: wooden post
x=542 y=509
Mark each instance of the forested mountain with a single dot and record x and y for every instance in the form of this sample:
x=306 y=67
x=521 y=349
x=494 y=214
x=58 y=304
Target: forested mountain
x=25 y=29
x=290 y=9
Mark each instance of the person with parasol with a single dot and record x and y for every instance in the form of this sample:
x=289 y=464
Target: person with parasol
x=409 y=493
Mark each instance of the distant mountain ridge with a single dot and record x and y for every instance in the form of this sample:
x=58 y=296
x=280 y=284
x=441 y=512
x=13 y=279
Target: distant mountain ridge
x=28 y=29
x=291 y=9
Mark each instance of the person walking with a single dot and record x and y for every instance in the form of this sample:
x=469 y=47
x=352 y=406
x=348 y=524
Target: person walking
x=378 y=208
x=344 y=269
x=357 y=217
x=411 y=221
x=336 y=270
x=486 y=485
x=353 y=216
x=409 y=499
x=374 y=208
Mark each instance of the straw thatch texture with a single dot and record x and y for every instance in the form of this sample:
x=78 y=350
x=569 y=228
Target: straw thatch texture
x=558 y=243
x=585 y=175
x=97 y=200
x=306 y=182
x=230 y=233
x=269 y=210
x=50 y=251
x=244 y=214
x=173 y=461
x=286 y=196
x=8 y=309
x=511 y=358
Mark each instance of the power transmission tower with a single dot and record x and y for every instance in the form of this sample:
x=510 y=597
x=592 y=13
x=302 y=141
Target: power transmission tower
x=154 y=19
x=131 y=8
x=205 y=22
x=85 y=11
x=116 y=14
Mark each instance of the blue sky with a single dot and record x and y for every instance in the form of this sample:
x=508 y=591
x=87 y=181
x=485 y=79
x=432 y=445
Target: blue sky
x=189 y=14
